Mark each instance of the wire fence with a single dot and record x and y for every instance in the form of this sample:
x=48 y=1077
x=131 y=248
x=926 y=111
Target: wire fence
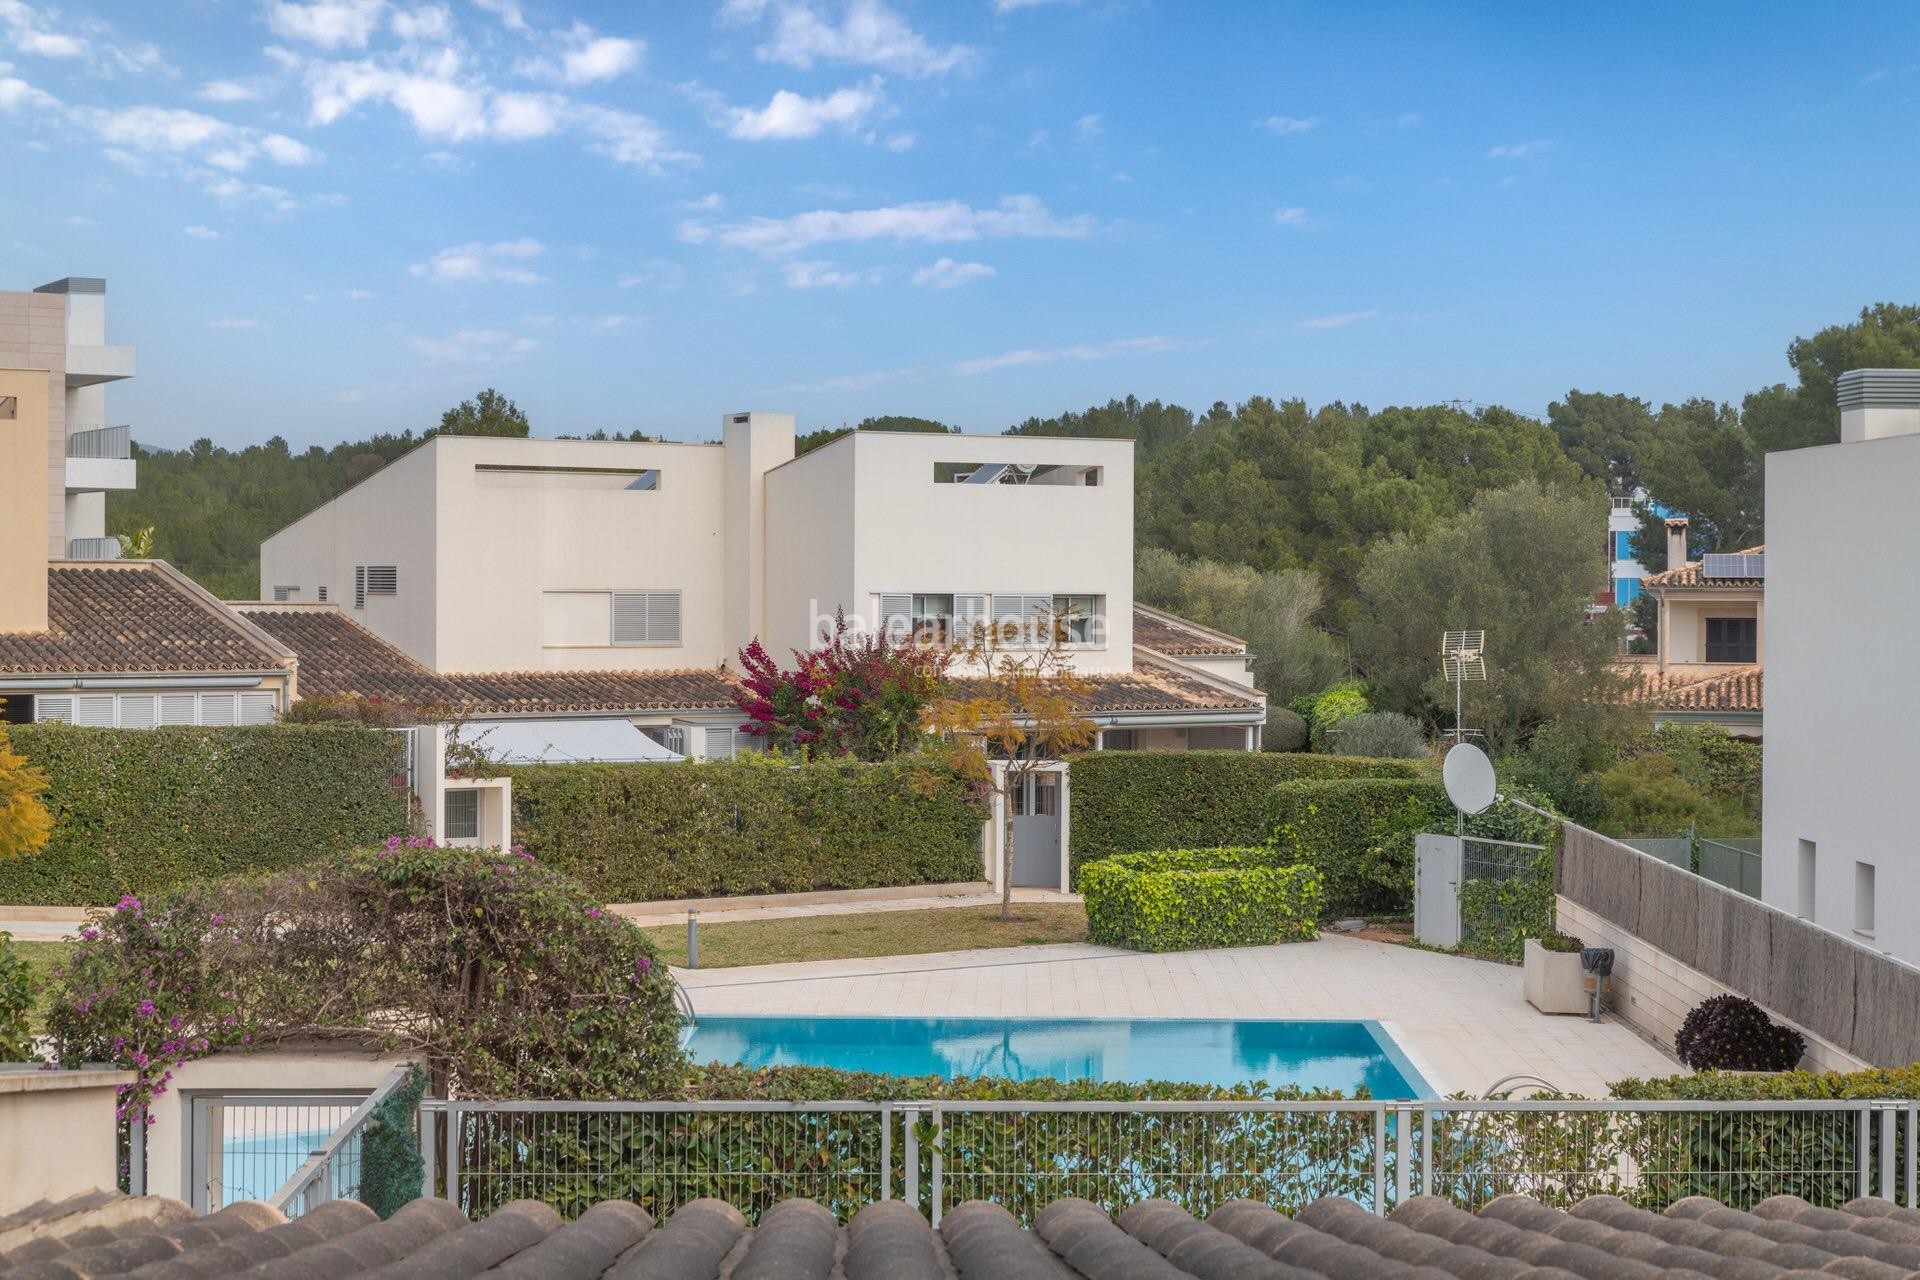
x=1023 y=1155
x=1733 y=861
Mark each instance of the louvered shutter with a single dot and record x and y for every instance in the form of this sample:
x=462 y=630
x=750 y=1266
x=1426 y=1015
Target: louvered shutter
x=258 y=708
x=646 y=617
x=359 y=586
x=323 y=594
x=56 y=707
x=94 y=710
x=1019 y=613
x=137 y=711
x=663 y=617
x=382 y=580
x=218 y=708
x=178 y=708
x=283 y=594
x=969 y=616
x=896 y=615
x=719 y=744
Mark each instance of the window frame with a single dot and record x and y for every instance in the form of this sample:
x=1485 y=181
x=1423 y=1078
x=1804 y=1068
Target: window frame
x=1749 y=644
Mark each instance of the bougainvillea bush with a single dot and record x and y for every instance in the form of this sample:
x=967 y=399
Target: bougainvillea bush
x=503 y=977
x=858 y=695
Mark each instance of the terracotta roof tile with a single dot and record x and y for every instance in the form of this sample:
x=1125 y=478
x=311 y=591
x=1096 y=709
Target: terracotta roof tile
x=1689 y=574
x=1738 y=688
x=338 y=655
x=1177 y=637
x=506 y=692
x=137 y=616
x=1336 y=1238
x=1150 y=687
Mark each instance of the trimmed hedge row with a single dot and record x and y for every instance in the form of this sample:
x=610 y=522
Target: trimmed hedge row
x=1138 y=801
x=1185 y=899
x=140 y=810
x=1359 y=833
x=645 y=831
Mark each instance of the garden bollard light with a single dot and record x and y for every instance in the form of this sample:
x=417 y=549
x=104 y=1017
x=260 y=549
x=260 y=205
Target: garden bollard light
x=693 y=938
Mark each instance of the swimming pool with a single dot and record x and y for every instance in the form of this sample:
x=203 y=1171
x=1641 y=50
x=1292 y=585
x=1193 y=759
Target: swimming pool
x=1314 y=1055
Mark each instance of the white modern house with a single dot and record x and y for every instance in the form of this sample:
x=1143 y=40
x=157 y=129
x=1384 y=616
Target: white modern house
x=1843 y=740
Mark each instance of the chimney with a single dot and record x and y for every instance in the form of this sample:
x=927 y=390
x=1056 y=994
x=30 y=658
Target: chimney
x=754 y=444
x=1677 y=543
x=1878 y=402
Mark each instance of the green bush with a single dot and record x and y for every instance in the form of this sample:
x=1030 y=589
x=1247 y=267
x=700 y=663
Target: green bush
x=638 y=832
x=16 y=1003
x=1647 y=796
x=1383 y=735
x=1186 y=899
x=391 y=1166
x=1498 y=915
x=1359 y=833
x=1285 y=730
x=1138 y=801
x=1335 y=705
x=141 y=810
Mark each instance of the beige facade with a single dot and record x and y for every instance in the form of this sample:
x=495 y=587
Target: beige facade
x=57 y=1133
x=25 y=513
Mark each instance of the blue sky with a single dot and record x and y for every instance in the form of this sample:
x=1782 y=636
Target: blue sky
x=324 y=219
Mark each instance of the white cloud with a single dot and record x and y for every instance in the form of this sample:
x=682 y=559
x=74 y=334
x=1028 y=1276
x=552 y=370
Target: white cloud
x=225 y=91
x=80 y=220
x=789 y=115
x=437 y=105
x=867 y=34
x=925 y=222
x=1290 y=216
x=234 y=191
x=38 y=33
x=474 y=346
x=330 y=24
x=1026 y=356
x=1089 y=127
x=711 y=201
x=361 y=295
x=526 y=115
x=607 y=324
x=16 y=93
x=29 y=31
x=948 y=274
x=234 y=322
x=1008 y=6
x=506 y=10
x=198 y=232
x=657 y=272
x=897 y=142
x=1520 y=150
x=503 y=261
x=445 y=161
x=1291 y=124
x=599 y=58
x=824 y=275
x=141 y=131
x=281 y=149
x=1340 y=321
x=428 y=22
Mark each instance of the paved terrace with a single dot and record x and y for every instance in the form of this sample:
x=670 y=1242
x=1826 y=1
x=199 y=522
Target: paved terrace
x=1464 y=1023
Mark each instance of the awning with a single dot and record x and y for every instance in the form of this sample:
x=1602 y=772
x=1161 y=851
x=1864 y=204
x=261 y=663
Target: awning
x=564 y=741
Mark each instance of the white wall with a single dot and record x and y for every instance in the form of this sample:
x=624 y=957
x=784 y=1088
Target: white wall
x=810 y=544
x=1843 y=740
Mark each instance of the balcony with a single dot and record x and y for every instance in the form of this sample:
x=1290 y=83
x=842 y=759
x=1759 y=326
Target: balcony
x=93 y=548
x=87 y=365
x=99 y=442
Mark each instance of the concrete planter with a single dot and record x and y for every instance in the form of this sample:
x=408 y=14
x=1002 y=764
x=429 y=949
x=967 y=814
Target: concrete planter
x=1552 y=980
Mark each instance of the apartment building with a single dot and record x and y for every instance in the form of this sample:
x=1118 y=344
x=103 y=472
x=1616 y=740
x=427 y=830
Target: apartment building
x=61 y=328
x=1708 y=664
x=1843 y=746
x=595 y=579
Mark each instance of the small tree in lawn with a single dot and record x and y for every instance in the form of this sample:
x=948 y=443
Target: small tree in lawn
x=24 y=821
x=1021 y=711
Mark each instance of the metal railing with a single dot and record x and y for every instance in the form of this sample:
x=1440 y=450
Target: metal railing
x=1732 y=861
x=332 y=1170
x=100 y=442
x=1023 y=1155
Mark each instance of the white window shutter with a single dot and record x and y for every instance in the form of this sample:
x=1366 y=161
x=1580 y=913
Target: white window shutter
x=218 y=708
x=646 y=617
x=137 y=710
x=258 y=708
x=94 y=710
x=663 y=617
x=1021 y=609
x=719 y=745
x=359 y=586
x=178 y=708
x=383 y=580
x=896 y=615
x=54 y=707
x=969 y=615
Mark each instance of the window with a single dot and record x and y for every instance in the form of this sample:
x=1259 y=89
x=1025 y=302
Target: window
x=1120 y=740
x=219 y=708
x=672 y=737
x=932 y=621
x=462 y=816
x=9 y=408
x=1031 y=473
x=359 y=586
x=284 y=594
x=1733 y=639
x=1863 y=898
x=139 y=710
x=1625 y=591
x=724 y=743
x=1020 y=616
x=1083 y=618
x=16 y=708
x=1622 y=544
x=259 y=708
x=1808 y=856
x=1220 y=737
x=383 y=580
x=646 y=617
x=179 y=708
x=1046 y=795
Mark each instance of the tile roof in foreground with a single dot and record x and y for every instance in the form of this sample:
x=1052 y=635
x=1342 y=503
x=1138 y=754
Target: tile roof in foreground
x=1426 y=1238
x=338 y=655
x=109 y=617
x=1738 y=688
x=1690 y=574
x=1178 y=637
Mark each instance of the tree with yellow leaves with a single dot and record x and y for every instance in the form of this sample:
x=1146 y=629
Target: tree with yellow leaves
x=1013 y=705
x=25 y=823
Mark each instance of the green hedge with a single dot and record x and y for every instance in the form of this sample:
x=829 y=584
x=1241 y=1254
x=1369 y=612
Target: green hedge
x=1359 y=833
x=1498 y=915
x=1137 y=801
x=1184 y=899
x=140 y=810
x=638 y=832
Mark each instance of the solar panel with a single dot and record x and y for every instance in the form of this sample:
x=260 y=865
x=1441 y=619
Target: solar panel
x=1734 y=565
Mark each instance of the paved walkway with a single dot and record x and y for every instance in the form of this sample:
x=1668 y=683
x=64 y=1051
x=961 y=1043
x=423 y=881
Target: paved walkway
x=653 y=913
x=1464 y=1023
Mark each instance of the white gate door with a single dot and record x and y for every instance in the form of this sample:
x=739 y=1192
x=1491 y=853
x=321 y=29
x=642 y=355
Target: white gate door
x=1436 y=889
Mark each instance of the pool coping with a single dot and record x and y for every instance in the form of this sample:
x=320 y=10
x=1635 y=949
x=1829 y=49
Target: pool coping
x=1382 y=1033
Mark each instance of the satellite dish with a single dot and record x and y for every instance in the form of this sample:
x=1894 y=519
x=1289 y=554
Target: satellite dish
x=1468 y=775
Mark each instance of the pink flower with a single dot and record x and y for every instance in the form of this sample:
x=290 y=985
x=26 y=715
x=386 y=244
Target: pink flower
x=144 y=1008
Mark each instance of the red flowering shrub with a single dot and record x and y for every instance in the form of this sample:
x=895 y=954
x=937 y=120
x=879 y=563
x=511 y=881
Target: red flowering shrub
x=864 y=696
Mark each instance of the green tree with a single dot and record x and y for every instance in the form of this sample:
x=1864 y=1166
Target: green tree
x=487 y=414
x=1700 y=460
x=1886 y=336
x=811 y=440
x=1275 y=613
x=1604 y=435
x=1520 y=564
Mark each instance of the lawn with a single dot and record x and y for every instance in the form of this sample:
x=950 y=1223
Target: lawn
x=873 y=933
x=42 y=957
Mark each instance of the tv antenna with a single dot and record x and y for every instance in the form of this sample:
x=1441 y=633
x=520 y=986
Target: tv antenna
x=1462 y=658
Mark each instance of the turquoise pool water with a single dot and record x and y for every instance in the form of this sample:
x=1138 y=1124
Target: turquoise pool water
x=1316 y=1055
